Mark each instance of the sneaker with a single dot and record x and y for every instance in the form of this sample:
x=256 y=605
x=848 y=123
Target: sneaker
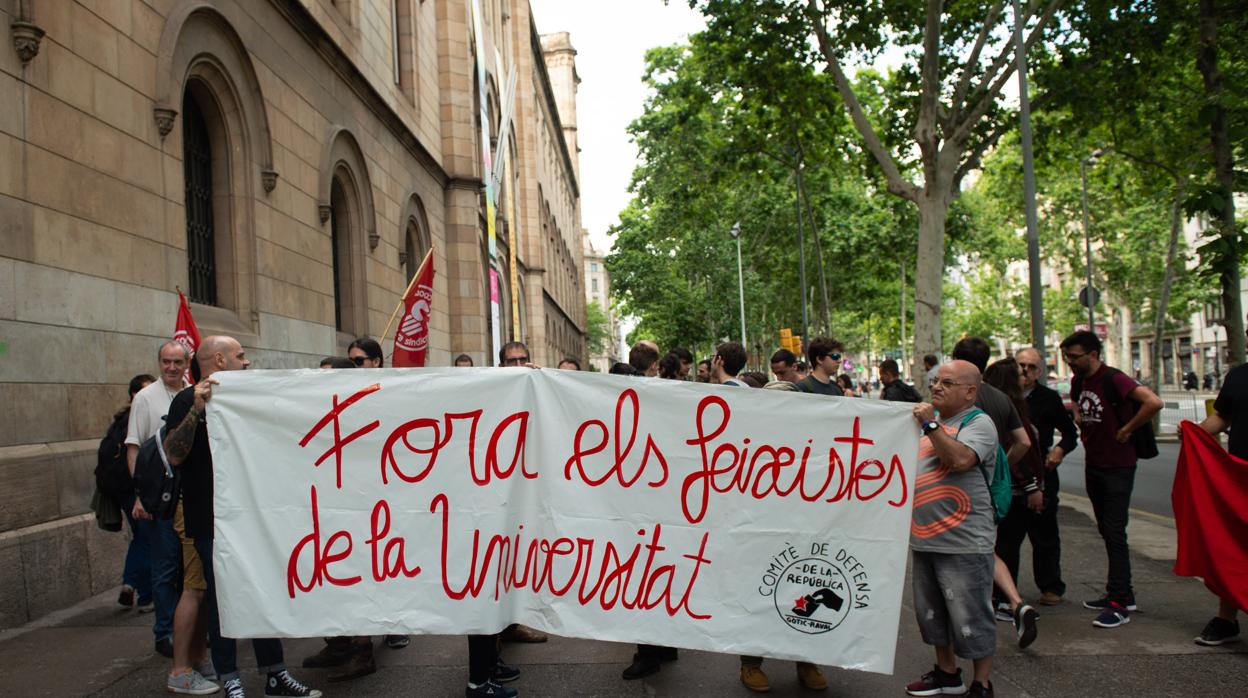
x=192 y=683
x=811 y=678
x=146 y=606
x=1112 y=617
x=397 y=642
x=206 y=669
x=1004 y=613
x=281 y=683
x=937 y=683
x=754 y=679
x=489 y=689
x=126 y=596
x=1025 y=625
x=164 y=647
x=234 y=688
x=1103 y=603
x=979 y=690
x=504 y=673
x=1219 y=631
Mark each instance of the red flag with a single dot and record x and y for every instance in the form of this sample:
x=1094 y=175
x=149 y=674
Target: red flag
x=411 y=340
x=185 y=332
x=1210 y=499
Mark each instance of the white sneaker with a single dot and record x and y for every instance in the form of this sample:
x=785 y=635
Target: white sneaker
x=192 y=683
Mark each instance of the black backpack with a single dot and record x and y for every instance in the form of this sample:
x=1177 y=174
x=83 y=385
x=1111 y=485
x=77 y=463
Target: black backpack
x=156 y=484
x=112 y=474
x=1142 y=440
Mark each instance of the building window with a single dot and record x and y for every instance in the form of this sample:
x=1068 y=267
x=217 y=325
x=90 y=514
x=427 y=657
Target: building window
x=197 y=169
x=339 y=252
x=593 y=266
x=594 y=284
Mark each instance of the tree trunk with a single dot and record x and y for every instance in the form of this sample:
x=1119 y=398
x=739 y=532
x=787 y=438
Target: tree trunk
x=929 y=275
x=1223 y=165
x=823 y=279
x=1163 y=303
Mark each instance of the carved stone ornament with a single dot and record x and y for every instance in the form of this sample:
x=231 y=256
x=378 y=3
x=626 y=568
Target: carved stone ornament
x=268 y=177
x=402 y=257
x=373 y=239
x=26 y=38
x=164 y=120
x=324 y=210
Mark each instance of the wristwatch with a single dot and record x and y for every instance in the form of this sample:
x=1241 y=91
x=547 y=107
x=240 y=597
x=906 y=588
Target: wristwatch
x=929 y=426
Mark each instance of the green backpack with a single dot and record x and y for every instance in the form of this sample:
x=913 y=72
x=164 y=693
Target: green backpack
x=1000 y=488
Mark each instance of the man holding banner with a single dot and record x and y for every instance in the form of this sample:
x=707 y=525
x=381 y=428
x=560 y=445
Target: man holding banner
x=953 y=534
x=186 y=447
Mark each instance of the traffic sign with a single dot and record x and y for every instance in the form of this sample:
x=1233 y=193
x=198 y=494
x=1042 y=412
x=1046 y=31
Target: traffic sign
x=1083 y=297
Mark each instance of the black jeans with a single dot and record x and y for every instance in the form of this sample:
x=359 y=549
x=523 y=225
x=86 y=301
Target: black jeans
x=482 y=656
x=225 y=649
x=1110 y=492
x=1041 y=529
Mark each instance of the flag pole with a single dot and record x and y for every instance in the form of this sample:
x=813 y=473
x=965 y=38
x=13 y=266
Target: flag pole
x=419 y=271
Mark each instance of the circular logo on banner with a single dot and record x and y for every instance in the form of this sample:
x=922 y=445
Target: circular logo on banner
x=815 y=594
x=412 y=335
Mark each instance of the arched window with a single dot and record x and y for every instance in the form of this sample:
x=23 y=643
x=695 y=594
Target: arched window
x=339 y=250
x=200 y=235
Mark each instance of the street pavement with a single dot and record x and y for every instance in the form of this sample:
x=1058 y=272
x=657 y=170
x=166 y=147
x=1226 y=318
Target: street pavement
x=100 y=649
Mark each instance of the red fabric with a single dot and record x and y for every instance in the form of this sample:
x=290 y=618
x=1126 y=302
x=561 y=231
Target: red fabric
x=1210 y=499
x=185 y=332
x=411 y=340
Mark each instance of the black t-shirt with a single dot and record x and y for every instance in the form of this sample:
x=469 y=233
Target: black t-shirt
x=810 y=384
x=998 y=406
x=900 y=391
x=196 y=469
x=1232 y=403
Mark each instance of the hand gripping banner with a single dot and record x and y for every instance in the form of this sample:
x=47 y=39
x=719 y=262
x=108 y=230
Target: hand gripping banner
x=456 y=501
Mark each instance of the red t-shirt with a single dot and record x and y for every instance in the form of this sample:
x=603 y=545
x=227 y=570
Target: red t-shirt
x=1099 y=422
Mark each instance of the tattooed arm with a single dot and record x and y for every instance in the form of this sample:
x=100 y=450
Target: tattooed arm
x=180 y=438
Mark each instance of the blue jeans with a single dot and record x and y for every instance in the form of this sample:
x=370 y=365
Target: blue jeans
x=137 y=572
x=166 y=574
x=225 y=649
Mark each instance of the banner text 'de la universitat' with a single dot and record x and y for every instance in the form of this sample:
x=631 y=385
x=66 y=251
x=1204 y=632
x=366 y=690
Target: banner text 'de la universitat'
x=457 y=501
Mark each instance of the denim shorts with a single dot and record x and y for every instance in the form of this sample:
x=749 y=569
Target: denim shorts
x=953 y=602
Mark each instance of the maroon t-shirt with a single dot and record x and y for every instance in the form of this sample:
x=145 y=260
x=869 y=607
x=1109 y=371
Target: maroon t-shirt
x=1099 y=422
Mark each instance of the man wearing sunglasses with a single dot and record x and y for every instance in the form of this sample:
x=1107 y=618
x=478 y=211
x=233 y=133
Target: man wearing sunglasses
x=825 y=362
x=1048 y=414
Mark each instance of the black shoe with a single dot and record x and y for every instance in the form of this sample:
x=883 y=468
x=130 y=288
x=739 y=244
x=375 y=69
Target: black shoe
x=360 y=663
x=504 y=673
x=126 y=596
x=668 y=654
x=643 y=665
x=1103 y=603
x=332 y=654
x=489 y=689
x=1219 y=631
x=979 y=690
x=1025 y=625
x=164 y=647
x=397 y=642
x=281 y=683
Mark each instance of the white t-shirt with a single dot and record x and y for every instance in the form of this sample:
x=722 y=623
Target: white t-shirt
x=148 y=410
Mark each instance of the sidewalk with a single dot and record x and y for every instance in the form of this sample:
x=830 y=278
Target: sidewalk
x=98 y=649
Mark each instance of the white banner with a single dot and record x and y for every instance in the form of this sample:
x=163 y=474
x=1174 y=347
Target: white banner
x=455 y=501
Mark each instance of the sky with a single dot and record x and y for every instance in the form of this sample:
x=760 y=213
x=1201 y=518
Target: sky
x=611 y=39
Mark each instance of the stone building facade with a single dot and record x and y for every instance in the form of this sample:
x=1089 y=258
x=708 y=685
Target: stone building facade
x=598 y=290
x=287 y=164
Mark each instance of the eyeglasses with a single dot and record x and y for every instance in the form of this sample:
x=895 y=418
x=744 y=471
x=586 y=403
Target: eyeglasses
x=516 y=360
x=359 y=360
x=1073 y=357
x=835 y=356
x=945 y=382
x=1029 y=367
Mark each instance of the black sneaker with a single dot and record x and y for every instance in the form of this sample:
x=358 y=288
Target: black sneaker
x=234 y=688
x=1219 y=631
x=504 y=673
x=937 y=683
x=281 y=683
x=164 y=647
x=489 y=689
x=643 y=665
x=397 y=642
x=1004 y=613
x=979 y=690
x=126 y=596
x=1025 y=625
x=1113 y=616
x=1103 y=603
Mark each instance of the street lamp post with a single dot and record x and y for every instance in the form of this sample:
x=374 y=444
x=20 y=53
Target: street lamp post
x=736 y=235
x=1087 y=241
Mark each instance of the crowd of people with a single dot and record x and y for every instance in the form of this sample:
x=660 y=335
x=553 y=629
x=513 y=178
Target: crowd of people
x=980 y=417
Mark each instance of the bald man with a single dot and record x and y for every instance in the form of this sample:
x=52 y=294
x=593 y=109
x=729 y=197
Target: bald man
x=186 y=447
x=952 y=534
